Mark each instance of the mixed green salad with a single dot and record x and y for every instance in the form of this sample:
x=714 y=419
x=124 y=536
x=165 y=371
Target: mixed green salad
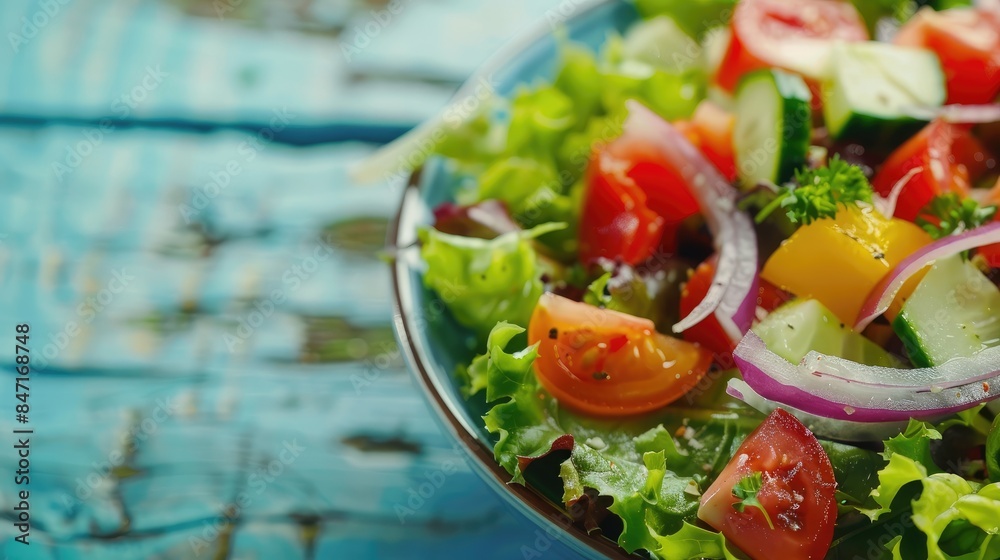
x=733 y=279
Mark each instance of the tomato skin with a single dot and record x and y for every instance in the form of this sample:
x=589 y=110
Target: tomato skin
x=633 y=205
x=967 y=41
x=708 y=333
x=798 y=492
x=771 y=297
x=946 y=154
x=992 y=252
x=711 y=131
x=616 y=223
x=605 y=363
x=763 y=29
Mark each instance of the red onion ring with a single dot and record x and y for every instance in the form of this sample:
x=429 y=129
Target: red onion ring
x=843 y=430
x=885 y=291
x=732 y=295
x=839 y=389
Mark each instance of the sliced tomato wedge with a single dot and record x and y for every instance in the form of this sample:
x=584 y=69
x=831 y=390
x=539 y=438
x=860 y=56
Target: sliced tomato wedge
x=606 y=363
x=948 y=157
x=633 y=205
x=992 y=252
x=798 y=508
x=967 y=41
x=790 y=34
x=711 y=131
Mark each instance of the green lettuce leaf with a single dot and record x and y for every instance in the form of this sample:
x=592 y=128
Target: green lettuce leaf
x=654 y=467
x=475 y=377
x=535 y=195
x=909 y=457
x=993 y=451
x=579 y=79
x=483 y=282
x=691 y=543
x=540 y=118
x=960 y=521
x=935 y=514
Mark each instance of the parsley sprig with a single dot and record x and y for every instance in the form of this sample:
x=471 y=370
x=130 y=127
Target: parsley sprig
x=820 y=192
x=746 y=492
x=948 y=214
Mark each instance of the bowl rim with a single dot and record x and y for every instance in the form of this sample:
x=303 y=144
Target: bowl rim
x=528 y=501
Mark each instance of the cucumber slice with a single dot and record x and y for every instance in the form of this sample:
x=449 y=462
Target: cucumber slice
x=660 y=42
x=773 y=126
x=875 y=89
x=802 y=325
x=954 y=312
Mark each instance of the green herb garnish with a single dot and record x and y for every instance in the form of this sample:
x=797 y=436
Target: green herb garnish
x=746 y=491
x=820 y=191
x=949 y=214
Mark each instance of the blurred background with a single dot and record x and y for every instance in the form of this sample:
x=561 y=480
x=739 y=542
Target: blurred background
x=213 y=369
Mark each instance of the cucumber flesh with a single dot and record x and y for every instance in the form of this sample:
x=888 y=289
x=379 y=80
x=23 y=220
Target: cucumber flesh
x=803 y=325
x=875 y=89
x=954 y=312
x=773 y=126
x=661 y=43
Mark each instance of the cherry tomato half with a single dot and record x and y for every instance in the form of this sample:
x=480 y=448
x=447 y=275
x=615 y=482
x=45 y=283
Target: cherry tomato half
x=607 y=363
x=711 y=131
x=968 y=44
x=992 y=252
x=633 y=205
x=948 y=158
x=767 y=33
x=797 y=493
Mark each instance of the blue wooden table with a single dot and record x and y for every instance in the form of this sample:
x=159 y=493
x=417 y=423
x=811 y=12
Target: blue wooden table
x=214 y=371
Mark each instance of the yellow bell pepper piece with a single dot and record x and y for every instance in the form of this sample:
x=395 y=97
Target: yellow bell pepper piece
x=838 y=261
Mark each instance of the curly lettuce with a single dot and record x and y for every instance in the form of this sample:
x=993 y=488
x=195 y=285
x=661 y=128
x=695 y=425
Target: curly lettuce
x=485 y=281
x=653 y=475
x=940 y=515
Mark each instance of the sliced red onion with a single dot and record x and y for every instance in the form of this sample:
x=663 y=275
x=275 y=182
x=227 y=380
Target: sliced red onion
x=883 y=293
x=887 y=206
x=959 y=114
x=732 y=295
x=971 y=114
x=839 y=389
x=843 y=430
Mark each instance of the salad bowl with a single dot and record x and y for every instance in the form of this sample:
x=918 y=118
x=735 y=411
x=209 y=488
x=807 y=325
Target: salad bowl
x=729 y=261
